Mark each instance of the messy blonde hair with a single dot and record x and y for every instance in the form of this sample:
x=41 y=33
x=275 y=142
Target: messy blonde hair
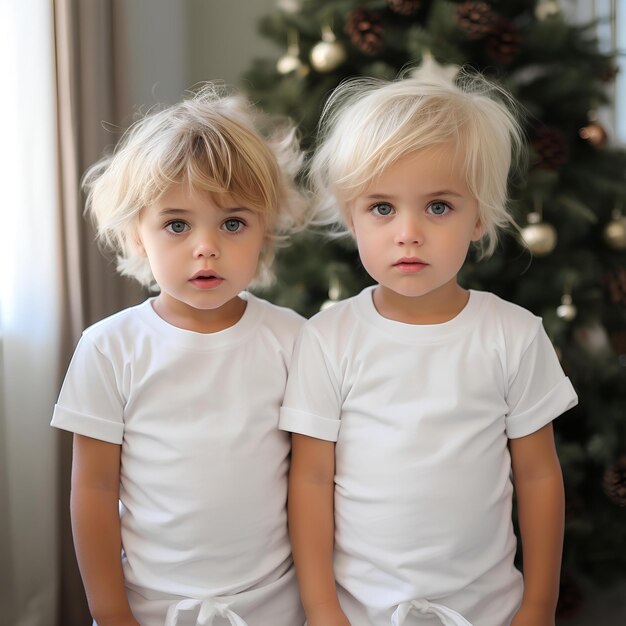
x=214 y=141
x=368 y=124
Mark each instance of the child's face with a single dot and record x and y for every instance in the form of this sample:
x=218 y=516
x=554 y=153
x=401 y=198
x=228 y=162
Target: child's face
x=201 y=255
x=413 y=226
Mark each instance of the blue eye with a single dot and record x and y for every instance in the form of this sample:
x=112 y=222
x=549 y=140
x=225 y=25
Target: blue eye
x=438 y=208
x=177 y=227
x=233 y=225
x=382 y=209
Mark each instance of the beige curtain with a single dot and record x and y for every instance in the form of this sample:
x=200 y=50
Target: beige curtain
x=92 y=110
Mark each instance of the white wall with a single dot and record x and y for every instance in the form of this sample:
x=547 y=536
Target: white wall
x=153 y=35
x=223 y=38
x=173 y=45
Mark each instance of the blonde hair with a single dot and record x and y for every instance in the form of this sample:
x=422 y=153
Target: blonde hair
x=215 y=141
x=368 y=124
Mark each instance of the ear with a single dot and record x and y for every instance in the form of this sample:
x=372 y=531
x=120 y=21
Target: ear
x=267 y=248
x=347 y=214
x=138 y=244
x=479 y=230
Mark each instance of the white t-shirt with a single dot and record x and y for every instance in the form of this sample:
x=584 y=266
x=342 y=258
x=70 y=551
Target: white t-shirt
x=421 y=415
x=203 y=464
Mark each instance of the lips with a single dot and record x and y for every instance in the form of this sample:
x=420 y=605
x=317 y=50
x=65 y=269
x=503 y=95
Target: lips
x=206 y=279
x=410 y=265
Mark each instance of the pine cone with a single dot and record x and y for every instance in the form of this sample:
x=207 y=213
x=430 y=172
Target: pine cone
x=614 y=482
x=615 y=282
x=365 y=30
x=405 y=7
x=618 y=342
x=608 y=73
x=551 y=148
x=504 y=41
x=570 y=597
x=475 y=18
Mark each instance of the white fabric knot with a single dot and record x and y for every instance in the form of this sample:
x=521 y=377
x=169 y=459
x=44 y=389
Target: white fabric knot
x=207 y=610
x=448 y=616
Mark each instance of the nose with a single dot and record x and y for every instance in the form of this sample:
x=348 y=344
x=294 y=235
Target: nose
x=410 y=230
x=206 y=245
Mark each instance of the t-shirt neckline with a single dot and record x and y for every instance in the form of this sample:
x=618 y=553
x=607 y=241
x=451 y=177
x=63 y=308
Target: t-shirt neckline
x=196 y=341
x=364 y=303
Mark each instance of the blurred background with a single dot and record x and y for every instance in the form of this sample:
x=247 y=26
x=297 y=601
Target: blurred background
x=77 y=72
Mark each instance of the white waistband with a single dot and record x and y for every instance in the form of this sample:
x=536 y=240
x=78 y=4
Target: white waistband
x=447 y=616
x=207 y=611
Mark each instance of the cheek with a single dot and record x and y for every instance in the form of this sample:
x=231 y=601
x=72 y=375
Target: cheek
x=370 y=249
x=360 y=227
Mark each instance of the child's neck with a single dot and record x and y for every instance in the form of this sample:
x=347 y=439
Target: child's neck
x=199 y=320
x=435 y=307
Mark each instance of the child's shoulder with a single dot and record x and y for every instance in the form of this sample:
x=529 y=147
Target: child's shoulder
x=281 y=319
x=339 y=317
x=117 y=335
x=499 y=312
x=124 y=321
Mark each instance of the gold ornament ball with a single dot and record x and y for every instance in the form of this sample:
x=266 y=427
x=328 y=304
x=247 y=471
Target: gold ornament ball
x=288 y=63
x=327 y=56
x=615 y=233
x=540 y=237
x=327 y=304
x=546 y=8
x=334 y=294
x=593 y=338
x=290 y=7
x=566 y=310
x=594 y=134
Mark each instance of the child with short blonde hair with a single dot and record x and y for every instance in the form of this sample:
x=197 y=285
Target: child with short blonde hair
x=174 y=403
x=411 y=402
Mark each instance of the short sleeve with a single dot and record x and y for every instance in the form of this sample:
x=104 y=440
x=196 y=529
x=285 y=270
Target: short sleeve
x=540 y=391
x=312 y=404
x=90 y=402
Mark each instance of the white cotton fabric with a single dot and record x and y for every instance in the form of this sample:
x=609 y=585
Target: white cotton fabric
x=421 y=415
x=203 y=464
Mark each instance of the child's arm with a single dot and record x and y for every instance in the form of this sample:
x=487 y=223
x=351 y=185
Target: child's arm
x=312 y=528
x=96 y=529
x=539 y=488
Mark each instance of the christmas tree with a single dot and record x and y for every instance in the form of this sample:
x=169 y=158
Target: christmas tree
x=568 y=203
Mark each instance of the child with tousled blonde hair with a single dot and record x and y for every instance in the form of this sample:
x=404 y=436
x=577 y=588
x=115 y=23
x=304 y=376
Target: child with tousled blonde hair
x=410 y=403
x=174 y=403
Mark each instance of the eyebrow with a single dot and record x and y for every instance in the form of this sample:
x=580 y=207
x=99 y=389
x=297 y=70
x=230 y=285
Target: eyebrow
x=177 y=211
x=385 y=196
